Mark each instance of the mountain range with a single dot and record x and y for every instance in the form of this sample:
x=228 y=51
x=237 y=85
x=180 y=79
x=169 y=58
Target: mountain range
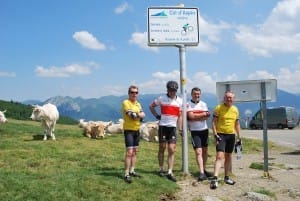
x=108 y=108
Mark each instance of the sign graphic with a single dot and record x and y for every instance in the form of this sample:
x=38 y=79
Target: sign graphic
x=169 y=26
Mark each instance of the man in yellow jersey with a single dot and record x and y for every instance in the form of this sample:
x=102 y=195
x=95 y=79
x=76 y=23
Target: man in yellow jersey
x=225 y=126
x=133 y=115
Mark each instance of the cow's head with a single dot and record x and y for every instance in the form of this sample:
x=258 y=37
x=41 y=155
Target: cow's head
x=2 y=117
x=37 y=113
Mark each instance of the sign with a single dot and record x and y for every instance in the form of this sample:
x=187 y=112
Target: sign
x=248 y=90
x=170 y=26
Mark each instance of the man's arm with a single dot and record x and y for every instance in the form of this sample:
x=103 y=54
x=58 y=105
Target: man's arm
x=192 y=116
x=238 y=128
x=152 y=107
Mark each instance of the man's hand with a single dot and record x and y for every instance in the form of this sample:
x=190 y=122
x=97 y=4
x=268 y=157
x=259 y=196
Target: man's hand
x=134 y=115
x=218 y=138
x=238 y=143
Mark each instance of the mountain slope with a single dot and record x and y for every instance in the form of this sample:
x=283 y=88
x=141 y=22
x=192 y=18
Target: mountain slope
x=108 y=108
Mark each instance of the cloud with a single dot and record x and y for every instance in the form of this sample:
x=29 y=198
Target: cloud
x=65 y=71
x=261 y=75
x=280 y=33
x=210 y=34
x=204 y=81
x=7 y=74
x=158 y=82
x=287 y=79
x=173 y=75
x=207 y=82
x=141 y=40
x=122 y=8
x=87 y=40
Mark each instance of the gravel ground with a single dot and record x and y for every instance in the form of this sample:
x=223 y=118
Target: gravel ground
x=283 y=181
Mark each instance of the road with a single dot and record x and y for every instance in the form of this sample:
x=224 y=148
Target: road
x=285 y=137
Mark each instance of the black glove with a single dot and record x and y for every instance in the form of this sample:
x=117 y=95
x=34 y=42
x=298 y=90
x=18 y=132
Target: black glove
x=158 y=117
x=218 y=138
x=134 y=115
x=207 y=114
x=238 y=143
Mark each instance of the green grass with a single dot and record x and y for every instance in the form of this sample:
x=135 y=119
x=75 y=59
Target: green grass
x=77 y=168
x=265 y=192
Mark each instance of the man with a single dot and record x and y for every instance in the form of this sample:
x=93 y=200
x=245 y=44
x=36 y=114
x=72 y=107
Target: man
x=132 y=115
x=225 y=126
x=169 y=119
x=197 y=114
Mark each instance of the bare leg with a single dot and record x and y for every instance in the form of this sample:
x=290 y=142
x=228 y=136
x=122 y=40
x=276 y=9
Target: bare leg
x=218 y=163
x=171 y=153
x=161 y=151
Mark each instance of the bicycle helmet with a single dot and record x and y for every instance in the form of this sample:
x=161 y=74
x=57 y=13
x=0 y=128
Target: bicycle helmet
x=172 y=85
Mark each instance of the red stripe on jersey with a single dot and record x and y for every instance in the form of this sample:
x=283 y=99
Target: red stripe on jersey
x=170 y=110
x=197 y=111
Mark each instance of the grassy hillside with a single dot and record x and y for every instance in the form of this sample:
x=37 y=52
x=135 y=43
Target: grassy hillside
x=19 y=111
x=78 y=168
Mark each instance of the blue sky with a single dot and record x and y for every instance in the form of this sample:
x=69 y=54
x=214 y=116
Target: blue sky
x=92 y=49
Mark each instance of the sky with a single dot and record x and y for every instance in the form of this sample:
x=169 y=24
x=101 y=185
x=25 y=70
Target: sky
x=93 y=48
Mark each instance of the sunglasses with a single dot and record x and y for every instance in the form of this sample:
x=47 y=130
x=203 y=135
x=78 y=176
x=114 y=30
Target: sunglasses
x=134 y=92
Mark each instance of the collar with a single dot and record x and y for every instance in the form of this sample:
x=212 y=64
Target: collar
x=194 y=101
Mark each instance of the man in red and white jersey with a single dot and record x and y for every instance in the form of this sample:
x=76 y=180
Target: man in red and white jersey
x=169 y=119
x=197 y=114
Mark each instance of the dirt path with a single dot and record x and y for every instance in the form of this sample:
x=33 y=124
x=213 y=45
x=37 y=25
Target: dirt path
x=283 y=183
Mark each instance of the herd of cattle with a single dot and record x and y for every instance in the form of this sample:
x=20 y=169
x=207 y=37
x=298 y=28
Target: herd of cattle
x=48 y=115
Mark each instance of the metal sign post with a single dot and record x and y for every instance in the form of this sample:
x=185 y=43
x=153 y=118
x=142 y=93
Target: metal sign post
x=182 y=51
x=265 y=127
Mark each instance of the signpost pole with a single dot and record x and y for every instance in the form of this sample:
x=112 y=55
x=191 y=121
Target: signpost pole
x=265 y=127
x=182 y=56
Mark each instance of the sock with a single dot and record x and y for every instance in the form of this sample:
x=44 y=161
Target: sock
x=126 y=172
x=170 y=171
x=132 y=169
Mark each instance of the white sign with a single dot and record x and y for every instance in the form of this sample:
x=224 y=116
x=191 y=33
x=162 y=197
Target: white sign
x=248 y=90
x=169 y=26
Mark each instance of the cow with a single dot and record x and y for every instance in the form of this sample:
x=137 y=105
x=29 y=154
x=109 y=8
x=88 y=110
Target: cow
x=48 y=115
x=84 y=124
x=94 y=130
x=149 y=131
x=115 y=128
x=2 y=117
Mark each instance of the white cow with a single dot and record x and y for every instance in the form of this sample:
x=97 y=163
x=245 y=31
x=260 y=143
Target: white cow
x=84 y=124
x=48 y=115
x=149 y=131
x=2 y=117
x=94 y=130
x=115 y=128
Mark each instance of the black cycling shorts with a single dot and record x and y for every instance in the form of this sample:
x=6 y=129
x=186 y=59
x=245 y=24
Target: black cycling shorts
x=167 y=134
x=199 y=138
x=227 y=143
x=132 y=138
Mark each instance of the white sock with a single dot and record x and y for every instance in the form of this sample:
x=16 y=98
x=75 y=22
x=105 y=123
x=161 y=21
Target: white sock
x=170 y=171
x=132 y=169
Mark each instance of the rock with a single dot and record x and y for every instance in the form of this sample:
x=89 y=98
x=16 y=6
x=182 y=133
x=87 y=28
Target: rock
x=253 y=196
